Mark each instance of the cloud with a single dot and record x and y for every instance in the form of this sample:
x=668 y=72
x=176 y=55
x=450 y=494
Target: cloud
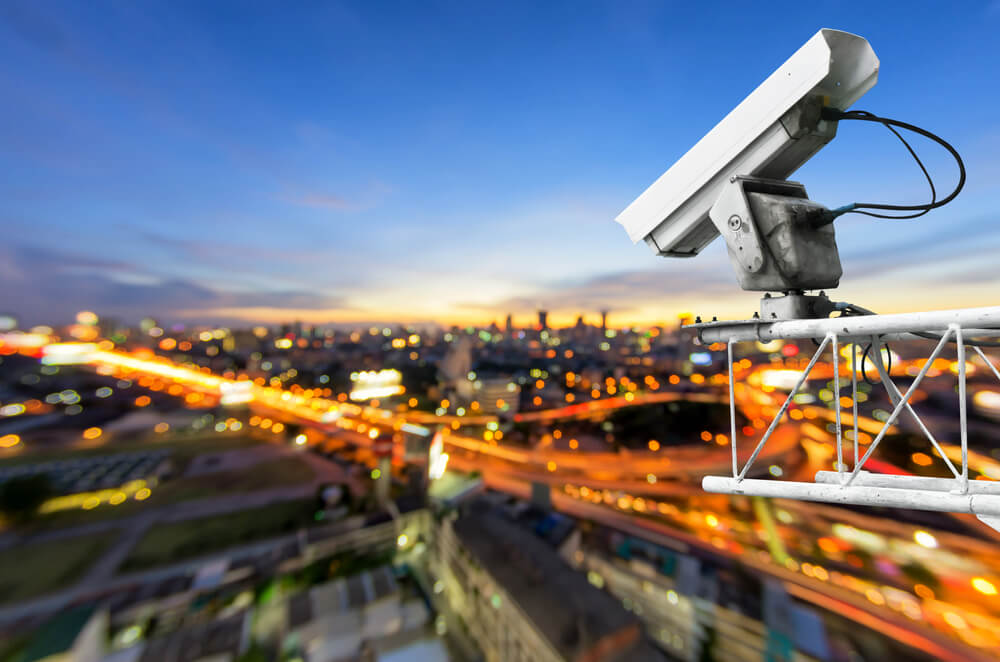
x=365 y=199
x=47 y=286
x=621 y=292
x=937 y=246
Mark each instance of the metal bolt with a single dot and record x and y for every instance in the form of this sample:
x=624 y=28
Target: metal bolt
x=735 y=222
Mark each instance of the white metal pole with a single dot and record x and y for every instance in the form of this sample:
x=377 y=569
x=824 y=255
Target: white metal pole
x=732 y=407
x=987 y=361
x=962 y=419
x=869 y=479
x=978 y=504
x=835 y=403
x=854 y=397
x=862 y=325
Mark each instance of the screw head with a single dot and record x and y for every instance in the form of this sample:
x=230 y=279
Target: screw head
x=735 y=223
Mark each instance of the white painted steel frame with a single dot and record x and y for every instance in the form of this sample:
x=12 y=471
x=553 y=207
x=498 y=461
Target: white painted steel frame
x=859 y=487
x=976 y=321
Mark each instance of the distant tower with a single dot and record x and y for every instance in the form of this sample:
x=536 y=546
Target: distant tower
x=454 y=368
x=543 y=319
x=604 y=321
x=510 y=323
x=382 y=474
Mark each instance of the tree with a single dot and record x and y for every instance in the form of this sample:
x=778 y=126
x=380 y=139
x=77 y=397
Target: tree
x=20 y=497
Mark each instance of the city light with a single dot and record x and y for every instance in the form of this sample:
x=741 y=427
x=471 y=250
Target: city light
x=376 y=384
x=784 y=380
x=984 y=586
x=294 y=404
x=68 y=353
x=235 y=393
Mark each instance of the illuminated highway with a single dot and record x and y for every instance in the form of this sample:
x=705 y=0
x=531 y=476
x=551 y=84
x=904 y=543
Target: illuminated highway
x=933 y=589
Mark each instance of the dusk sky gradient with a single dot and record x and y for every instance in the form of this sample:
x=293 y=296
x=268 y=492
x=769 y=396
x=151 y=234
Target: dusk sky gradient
x=453 y=161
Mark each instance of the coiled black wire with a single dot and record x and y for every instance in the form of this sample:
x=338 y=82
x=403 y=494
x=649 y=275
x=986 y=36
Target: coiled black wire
x=857 y=207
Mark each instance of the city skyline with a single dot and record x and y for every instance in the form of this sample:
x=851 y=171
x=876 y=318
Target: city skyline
x=344 y=164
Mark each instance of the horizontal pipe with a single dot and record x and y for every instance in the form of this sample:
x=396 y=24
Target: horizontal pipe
x=978 y=504
x=852 y=326
x=868 y=479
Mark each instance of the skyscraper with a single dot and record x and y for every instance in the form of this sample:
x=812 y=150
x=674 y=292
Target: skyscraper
x=543 y=319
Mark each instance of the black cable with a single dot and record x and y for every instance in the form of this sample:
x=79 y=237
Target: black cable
x=864 y=361
x=862 y=115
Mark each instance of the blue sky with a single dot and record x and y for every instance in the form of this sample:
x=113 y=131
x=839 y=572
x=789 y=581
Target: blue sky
x=449 y=161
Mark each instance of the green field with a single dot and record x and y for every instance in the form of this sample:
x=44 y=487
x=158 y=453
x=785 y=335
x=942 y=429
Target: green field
x=169 y=543
x=34 y=569
x=184 y=448
x=284 y=472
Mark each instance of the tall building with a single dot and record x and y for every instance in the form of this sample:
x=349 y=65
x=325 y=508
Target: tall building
x=604 y=321
x=454 y=368
x=510 y=324
x=543 y=319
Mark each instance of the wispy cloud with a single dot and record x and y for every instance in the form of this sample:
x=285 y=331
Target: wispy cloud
x=622 y=292
x=368 y=197
x=49 y=286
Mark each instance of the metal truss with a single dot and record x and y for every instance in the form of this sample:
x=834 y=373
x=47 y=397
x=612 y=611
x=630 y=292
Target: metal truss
x=852 y=484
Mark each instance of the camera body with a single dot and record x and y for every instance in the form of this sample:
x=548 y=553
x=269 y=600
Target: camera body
x=769 y=135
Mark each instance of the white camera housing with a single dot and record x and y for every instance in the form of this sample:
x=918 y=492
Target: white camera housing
x=770 y=134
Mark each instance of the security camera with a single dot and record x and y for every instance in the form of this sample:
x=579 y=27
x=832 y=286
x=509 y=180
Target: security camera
x=732 y=182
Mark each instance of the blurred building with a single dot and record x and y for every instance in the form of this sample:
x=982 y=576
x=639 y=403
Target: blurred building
x=694 y=609
x=75 y=635
x=520 y=601
x=455 y=367
x=498 y=395
x=339 y=620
